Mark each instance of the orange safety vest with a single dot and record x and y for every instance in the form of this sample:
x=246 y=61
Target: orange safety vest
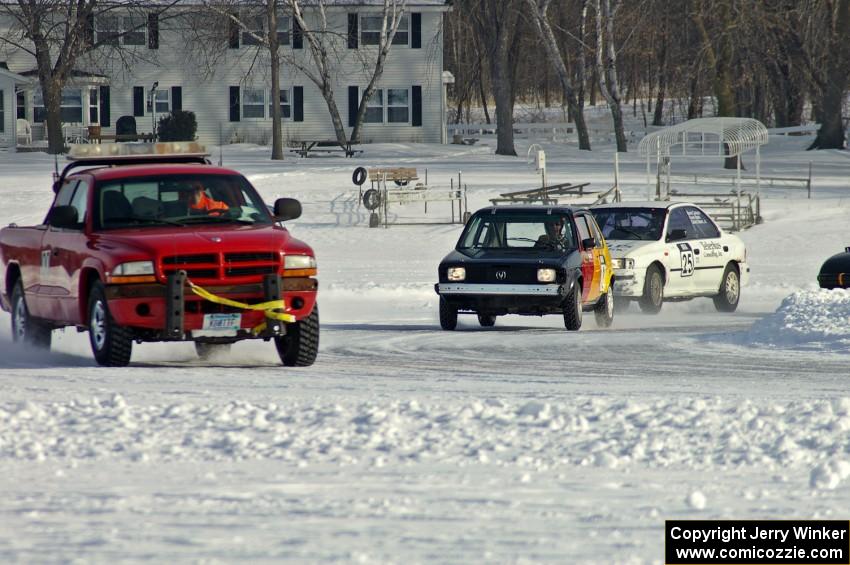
x=208 y=204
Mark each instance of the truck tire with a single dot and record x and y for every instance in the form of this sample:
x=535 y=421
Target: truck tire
x=604 y=310
x=653 y=291
x=487 y=320
x=300 y=345
x=207 y=351
x=111 y=344
x=730 y=290
x=448 y=315
x=25 y=328
x=572 y=309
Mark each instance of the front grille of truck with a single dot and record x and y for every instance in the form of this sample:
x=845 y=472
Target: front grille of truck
x=245 y=266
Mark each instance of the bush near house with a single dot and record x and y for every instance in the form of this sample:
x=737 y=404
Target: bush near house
x=177 y=126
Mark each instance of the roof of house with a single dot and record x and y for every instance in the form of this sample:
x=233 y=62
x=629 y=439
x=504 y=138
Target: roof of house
x=5 y=72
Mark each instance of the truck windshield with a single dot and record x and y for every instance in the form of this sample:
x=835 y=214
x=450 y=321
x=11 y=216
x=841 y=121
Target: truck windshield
x=177 y=199
x=631 y=223
x=537 y=232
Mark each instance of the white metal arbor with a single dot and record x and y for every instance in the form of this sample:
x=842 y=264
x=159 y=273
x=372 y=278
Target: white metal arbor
x=724 y=137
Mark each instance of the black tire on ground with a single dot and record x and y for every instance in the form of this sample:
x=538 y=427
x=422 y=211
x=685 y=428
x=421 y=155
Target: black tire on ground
x=359 y=176
x=448 y=315
x=371 y=199
x=653 y=291
x=300 y=345
x=730 y=290
x=572 y=309
x=209 y=350
x=487 y=320
x=25 y=328
x=604 y=311
x=111 y=344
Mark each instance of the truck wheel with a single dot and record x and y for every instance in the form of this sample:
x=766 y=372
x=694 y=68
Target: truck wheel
x=487 y=320
x=653 y=291
x=604 y=310
x=207 y=351
x=300 y=345
x=730 y=290
x=111 y=344
x=572 y=309
x=25 y=328
x=448 y=315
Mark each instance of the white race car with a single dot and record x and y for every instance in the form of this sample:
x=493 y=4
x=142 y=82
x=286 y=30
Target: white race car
x=671 y=251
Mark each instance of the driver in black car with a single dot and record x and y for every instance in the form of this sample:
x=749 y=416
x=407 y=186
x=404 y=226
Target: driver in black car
x=554 y=236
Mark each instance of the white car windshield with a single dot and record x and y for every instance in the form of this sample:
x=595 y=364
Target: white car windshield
x=631 y=223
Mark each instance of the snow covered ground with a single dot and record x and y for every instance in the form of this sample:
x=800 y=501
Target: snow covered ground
x=518 y=443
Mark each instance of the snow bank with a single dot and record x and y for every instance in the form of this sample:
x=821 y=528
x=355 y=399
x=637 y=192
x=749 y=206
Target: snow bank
x=809 y=319
x=700 y=434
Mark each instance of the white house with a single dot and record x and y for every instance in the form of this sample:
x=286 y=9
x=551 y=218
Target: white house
x=227 y=85
x=9 y=84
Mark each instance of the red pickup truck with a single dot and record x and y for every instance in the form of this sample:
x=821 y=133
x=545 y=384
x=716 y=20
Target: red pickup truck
x=150 y=247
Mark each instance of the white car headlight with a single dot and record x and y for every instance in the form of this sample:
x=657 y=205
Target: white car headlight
x=546 y=275
x=456 y=274
x=299 y=262
x=623 y=263
x=133 y=269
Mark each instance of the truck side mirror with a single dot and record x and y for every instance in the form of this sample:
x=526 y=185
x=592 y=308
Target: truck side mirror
x=62 y=217
x=588 y=243
x=286 y=209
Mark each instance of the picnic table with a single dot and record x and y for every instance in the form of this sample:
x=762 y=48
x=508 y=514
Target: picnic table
x=95 y=136
x=307 y=146
x=545 y=195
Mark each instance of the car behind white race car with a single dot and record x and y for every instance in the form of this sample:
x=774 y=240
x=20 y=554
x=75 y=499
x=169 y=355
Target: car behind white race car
x=671 y=251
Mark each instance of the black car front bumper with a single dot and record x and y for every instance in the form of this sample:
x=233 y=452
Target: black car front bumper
x=500 y=299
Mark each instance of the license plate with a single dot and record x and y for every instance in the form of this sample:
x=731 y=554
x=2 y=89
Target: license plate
x=222 y=321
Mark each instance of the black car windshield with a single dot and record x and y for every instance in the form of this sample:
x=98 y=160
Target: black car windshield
x=159 y=200
x=518 y=232
x=631 y=223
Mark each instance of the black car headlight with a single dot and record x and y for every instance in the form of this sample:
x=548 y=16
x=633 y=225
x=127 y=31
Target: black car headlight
x=456 y=274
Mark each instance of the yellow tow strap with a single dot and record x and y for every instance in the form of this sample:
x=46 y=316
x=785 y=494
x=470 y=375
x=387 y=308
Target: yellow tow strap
x=274 y=309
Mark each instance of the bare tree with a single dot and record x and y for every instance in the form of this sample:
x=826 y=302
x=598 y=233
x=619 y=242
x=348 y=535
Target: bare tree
x=497 y=23
x=606 y=65
x=832 y=81
x=59 y=34
x=547 y=36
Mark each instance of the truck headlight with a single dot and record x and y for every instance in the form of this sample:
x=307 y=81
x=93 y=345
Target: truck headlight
x=623 y=263
x=299 y=266
x=132 y=272
x=299 y=262
x=133 y=268
x=456 y=274
x=546 y=275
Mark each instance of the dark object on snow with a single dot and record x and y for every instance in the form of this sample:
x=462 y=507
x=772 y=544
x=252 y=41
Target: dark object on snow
x=125 y=128
x=835 y=272
x=179 y=125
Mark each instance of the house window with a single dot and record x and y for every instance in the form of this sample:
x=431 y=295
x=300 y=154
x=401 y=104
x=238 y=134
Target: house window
x=375 y=108
x=108 y=29
x=370 y=30
x=94 y=107
x=398 y=106
x=134 y=30
x=253 y=103
x=257 y=25
x=285 y=104
x=163 y=102
x=71 y=106
x=22 y=105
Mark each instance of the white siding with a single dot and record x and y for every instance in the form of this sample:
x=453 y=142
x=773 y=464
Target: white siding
x=208 y=94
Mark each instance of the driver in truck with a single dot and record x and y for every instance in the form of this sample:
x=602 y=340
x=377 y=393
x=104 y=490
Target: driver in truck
x=198 y=201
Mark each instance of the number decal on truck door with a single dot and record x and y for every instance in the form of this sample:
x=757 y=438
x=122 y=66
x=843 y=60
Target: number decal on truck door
x=687 y=258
